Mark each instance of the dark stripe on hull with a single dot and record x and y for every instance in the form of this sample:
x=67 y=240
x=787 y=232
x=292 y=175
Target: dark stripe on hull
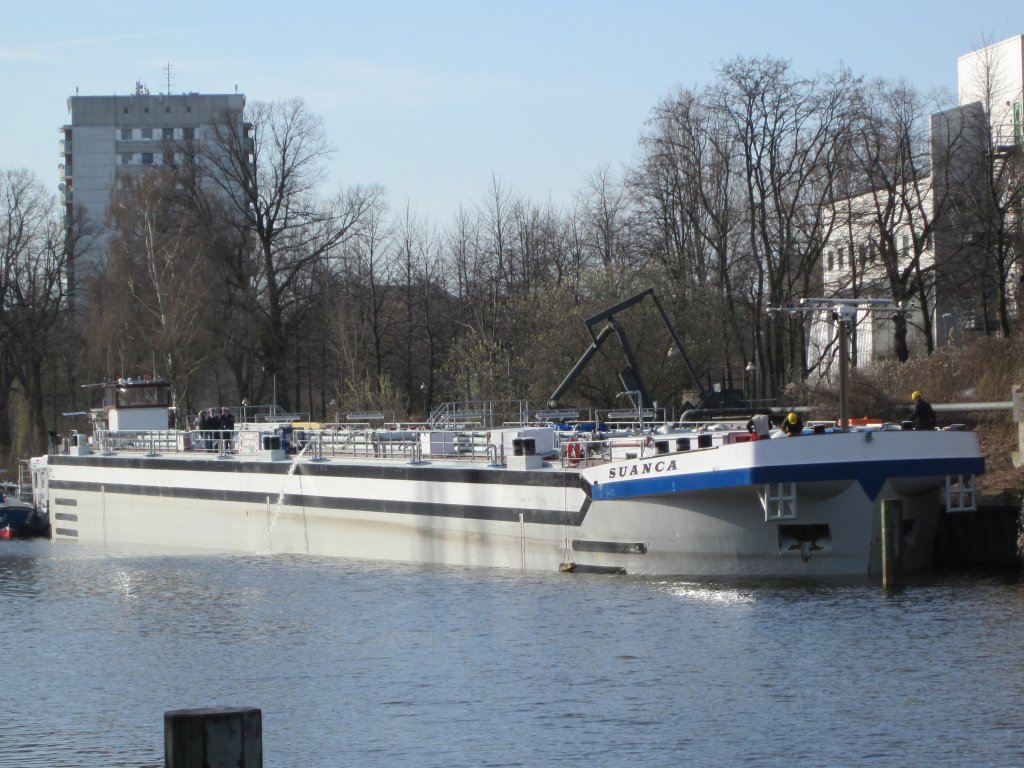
x=380 y=506
x=610 y=547
x=423 y=472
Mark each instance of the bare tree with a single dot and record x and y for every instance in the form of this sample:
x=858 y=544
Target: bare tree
x=426 y=325
x=33 y=297
x=170 y=279
x=266 y=168
x=372 y=269
x=689 y=194
x=894 y=151
x=733 y=188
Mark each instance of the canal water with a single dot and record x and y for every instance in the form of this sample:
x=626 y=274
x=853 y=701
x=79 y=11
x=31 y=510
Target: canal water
x=357 y=664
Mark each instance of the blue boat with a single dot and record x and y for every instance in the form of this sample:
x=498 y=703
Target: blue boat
x=19 y=519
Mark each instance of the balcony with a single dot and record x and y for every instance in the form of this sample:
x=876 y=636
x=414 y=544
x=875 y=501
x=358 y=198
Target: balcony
x=64 y=170
x=64 y=146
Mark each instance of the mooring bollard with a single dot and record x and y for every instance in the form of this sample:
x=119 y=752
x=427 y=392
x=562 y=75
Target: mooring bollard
x=892 y=542
x=213 y=738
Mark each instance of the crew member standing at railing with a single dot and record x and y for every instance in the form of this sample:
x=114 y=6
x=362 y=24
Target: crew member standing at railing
x=208 y=423
x=923 y=414
x=227 y=425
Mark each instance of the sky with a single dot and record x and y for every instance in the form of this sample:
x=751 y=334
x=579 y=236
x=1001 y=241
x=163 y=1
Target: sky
x=437 y=101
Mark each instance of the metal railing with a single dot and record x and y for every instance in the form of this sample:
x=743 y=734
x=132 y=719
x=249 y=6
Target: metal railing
x=398 y=442
x=485 y=414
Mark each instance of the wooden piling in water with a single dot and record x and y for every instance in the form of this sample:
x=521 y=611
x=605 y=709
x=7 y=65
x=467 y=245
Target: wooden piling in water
x=213 y=738
x=892 y=542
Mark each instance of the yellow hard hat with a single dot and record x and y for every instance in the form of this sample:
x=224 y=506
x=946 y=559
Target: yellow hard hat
x=791 y=418
x=915 y=395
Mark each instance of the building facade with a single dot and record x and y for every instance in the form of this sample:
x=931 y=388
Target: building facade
x=993 y=76
x=958 y=228
x=110 y=136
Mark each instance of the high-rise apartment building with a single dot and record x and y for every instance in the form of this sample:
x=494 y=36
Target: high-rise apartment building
x=108 y=136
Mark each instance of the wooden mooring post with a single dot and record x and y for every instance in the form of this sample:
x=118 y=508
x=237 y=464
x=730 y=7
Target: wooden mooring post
x=213 y=738
x=892 y=542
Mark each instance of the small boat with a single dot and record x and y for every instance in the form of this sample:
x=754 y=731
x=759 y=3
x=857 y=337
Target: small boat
x=19 y=519
x=509 y=485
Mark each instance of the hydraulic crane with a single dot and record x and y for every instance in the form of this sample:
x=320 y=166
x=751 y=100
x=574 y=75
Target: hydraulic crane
x=630 y=375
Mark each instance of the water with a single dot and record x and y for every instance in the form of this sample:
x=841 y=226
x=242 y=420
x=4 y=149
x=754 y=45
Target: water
x=280 y=501
x=357 y=664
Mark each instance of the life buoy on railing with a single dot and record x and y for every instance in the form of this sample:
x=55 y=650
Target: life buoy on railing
x=574 y=451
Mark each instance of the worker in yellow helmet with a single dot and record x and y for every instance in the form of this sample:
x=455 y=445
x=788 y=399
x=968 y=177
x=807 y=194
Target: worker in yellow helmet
x=793 y=426
x=923 y=415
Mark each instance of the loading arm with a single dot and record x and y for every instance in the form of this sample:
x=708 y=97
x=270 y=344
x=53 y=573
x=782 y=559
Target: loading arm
x=631 y=378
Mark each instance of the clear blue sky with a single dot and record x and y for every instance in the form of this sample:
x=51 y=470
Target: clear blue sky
x=432 y=99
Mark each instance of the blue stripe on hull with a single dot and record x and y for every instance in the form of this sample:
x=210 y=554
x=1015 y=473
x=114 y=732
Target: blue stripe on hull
x=870 y=475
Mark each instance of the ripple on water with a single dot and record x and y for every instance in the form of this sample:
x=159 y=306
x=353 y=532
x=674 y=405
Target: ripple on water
x=387 y=665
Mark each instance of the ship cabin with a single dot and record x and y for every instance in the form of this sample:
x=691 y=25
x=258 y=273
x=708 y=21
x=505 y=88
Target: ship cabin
x=133 y=404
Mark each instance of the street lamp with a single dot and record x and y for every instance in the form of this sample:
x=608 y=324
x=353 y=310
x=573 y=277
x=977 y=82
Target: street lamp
x=334 y=407
x=750 y=369
x=245 y=404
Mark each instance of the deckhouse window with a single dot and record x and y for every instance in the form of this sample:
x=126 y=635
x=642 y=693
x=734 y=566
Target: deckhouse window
x=147 y=396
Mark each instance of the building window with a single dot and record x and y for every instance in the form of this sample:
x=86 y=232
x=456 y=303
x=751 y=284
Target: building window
x=126 y=158
x=167 y=109
x=872 y=252
x=190 y=133
x=188 y=109
x=126 y=134
x=147 y=158
x=831 y=261
x=126 y=110
x=906 y=246
x=841 y=257
x=147 y=133
x=862 y=253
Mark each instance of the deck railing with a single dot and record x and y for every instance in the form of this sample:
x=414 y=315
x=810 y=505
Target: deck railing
x=417 y=442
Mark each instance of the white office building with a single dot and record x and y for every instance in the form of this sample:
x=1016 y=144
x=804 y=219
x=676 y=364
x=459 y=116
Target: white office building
x=991 y=95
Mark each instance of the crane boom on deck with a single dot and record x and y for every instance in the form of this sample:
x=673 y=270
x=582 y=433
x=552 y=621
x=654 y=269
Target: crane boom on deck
x=630 y=375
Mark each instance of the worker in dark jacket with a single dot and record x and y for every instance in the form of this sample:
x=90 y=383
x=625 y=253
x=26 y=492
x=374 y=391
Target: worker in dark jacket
x=923 y=415
x=793 y=426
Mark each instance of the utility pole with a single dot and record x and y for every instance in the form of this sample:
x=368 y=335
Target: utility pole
x=844 y=314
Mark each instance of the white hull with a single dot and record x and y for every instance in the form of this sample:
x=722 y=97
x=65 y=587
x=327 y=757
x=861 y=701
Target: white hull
x=691 y=513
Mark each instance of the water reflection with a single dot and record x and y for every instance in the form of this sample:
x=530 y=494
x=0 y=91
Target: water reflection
x=710 y=593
